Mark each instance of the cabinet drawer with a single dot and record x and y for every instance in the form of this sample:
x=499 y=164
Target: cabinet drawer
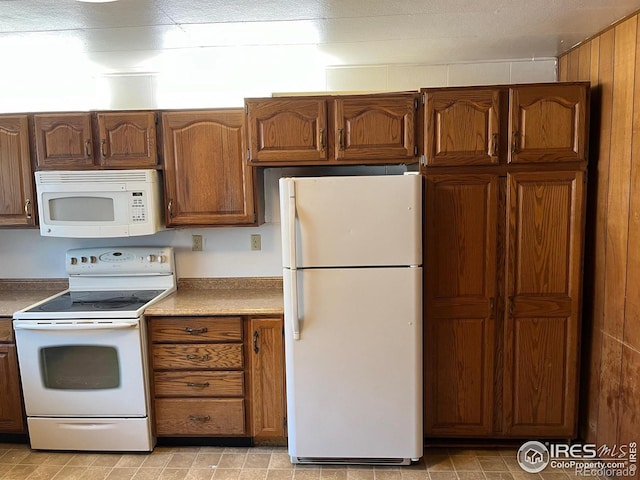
x=199 y=384
x=198 y=356
x=196 y=329
x=6 y=330
x=193 y=417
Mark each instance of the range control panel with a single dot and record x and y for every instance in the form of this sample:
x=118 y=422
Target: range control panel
x=120 y=261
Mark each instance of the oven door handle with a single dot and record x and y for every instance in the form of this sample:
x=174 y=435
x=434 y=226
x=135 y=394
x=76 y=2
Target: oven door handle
x=74 y=326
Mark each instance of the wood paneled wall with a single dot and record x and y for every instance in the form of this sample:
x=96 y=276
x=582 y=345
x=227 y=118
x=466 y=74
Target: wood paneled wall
x=611 y=326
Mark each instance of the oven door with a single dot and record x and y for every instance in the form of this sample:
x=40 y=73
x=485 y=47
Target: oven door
x=82 y=367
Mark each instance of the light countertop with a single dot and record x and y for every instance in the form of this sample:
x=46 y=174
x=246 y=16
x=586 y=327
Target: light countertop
x=224 y=296
x=18 y=294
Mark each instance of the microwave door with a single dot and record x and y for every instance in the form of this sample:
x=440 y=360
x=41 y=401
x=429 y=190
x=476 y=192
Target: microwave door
x=84 y=214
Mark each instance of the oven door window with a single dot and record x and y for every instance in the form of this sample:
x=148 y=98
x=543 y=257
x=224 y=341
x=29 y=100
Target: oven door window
x=80 y=367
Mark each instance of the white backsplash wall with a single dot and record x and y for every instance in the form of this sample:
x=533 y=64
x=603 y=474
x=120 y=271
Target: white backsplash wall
x=191 y=78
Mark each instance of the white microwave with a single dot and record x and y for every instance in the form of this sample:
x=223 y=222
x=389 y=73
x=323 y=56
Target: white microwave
x=99 y=203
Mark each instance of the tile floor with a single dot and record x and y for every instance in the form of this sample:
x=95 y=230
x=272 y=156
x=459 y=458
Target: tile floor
x=18 y=462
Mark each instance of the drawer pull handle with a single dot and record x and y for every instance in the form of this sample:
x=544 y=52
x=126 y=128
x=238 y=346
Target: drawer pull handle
x=204 y=358
x=196 y=331
x=199 y=418
x=198 y=384
x=256 y=337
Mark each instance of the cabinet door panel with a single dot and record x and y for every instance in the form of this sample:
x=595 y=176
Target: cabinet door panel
x=460 y=290
x=200 y=417
x=207 y=181
x=462 y=127
x=267 y=377
x=380 y=128
x=285 y=130
x=17 y=206
x=63 y=140
x=11 y=414
x=127 y=139
x=548 y=123
x=543 y=284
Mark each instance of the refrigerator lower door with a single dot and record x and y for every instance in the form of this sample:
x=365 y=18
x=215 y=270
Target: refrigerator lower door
x=354 y=377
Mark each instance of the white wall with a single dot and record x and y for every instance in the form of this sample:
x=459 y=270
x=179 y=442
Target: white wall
x=189 y=81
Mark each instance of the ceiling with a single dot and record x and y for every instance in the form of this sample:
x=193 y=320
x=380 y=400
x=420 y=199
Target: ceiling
x=351 y=32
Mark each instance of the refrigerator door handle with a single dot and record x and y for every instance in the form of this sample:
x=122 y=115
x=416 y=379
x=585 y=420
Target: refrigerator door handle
x=295 y=321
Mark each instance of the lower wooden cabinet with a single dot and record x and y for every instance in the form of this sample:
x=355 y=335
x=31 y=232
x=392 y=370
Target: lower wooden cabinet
x=12 y=418
x=267 y=377
x=218 y=376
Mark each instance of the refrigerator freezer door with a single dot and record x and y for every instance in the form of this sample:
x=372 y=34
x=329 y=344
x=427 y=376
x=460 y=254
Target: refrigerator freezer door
x=352 y=221
x=354 y=378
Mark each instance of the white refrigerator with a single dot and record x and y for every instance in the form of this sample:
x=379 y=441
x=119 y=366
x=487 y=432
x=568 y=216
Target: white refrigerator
x=352 y=271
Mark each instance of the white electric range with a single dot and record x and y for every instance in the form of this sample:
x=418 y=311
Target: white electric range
x=83 y=352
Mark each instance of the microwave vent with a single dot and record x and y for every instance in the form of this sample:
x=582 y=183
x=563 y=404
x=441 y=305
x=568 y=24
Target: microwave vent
x=97 y=176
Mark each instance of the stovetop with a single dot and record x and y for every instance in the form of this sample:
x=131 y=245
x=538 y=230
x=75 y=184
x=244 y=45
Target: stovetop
x=92 y=301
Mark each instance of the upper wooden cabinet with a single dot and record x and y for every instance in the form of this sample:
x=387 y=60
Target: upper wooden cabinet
x=320 y=130
x=286 y=130
x=90 y=140
x=547 y=123
x=462 y=127
x=17 y=207
x=207 y=181
x=525 y=124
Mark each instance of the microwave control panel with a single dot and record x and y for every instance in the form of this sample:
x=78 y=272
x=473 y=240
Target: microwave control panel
x=138 y=207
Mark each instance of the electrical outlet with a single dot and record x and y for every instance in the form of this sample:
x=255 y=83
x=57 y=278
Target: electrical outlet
x=196 y=243
x=256 y=242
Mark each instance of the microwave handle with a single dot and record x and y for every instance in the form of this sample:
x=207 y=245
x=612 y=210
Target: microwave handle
x=82 y=188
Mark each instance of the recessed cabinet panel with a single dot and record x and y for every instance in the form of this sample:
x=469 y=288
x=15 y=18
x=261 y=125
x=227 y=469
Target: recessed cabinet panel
x=284 y=130
x=63 y=140
x=462 y=127
x=17 y=200
x=376 y=128
x=547 y=123
x=207 y=181
x=127 y=139
x=460 y=291
x=543 y=284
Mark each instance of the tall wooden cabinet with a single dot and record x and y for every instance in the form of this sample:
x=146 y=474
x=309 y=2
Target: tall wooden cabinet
x=17 y=192
x=504 y=227
x=207 y=181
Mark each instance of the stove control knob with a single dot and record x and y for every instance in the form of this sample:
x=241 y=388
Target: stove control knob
x=94 y=259
x=162 y=259
x=84 y=259
x=74 y=261
x=151 y=258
